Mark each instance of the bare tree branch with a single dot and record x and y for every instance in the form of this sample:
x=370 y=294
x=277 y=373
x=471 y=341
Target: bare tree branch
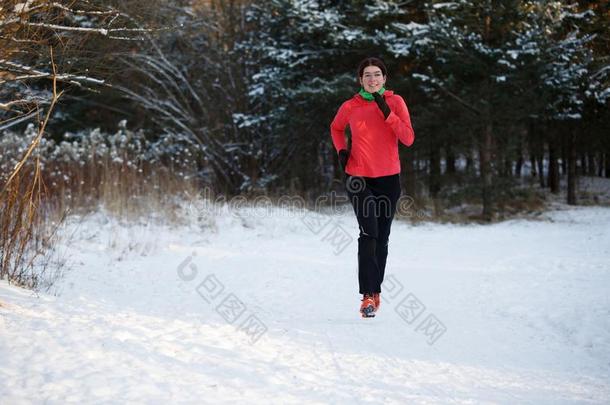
x=17 y=120
x=36 y=74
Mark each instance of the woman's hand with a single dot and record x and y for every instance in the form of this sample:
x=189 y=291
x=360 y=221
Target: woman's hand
x=383 y=106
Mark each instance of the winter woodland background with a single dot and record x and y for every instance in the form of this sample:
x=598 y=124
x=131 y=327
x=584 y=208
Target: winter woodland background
x=173 y=227
x=134 y=106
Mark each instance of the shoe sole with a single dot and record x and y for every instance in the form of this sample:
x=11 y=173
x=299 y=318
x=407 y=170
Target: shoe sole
x=368 y=312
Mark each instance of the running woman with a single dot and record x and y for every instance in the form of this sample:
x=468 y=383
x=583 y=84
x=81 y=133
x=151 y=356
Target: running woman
x=378 y=119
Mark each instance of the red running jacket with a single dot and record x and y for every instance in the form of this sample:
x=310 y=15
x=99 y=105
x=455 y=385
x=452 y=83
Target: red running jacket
x=374 y=139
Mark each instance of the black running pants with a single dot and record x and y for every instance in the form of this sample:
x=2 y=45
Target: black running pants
x=374 y=200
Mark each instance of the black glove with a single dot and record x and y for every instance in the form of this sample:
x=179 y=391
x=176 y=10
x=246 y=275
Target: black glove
x=383 y=106
x=343 y=157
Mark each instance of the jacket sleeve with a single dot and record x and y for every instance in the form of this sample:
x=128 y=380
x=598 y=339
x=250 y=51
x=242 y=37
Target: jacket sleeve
x=400 y=122
x=337 y=127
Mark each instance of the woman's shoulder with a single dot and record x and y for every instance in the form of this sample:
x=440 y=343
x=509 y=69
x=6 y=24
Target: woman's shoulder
x=352 y=102
x=392 y=94
x=393 y=97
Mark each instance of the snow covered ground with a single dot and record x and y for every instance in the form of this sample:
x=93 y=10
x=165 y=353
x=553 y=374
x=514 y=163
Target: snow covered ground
x=262 y=307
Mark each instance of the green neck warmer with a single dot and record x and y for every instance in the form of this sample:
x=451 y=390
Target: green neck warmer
x=368 y=96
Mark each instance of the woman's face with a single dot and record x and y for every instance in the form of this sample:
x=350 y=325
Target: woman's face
x=372 y=79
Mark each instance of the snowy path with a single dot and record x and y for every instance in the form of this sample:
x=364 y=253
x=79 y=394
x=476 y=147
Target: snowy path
x=513 y=313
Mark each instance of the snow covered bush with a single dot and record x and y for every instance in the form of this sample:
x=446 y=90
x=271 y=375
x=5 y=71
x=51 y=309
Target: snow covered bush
x=116 y=171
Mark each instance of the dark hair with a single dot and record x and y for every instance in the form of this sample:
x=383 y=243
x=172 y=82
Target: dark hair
x=371 y=62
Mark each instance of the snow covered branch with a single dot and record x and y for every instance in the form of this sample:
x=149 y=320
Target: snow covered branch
x=33 y=73
x=101 y=31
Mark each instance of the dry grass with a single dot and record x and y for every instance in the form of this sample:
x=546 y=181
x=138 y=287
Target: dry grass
x=23 y=237
x=124 y=190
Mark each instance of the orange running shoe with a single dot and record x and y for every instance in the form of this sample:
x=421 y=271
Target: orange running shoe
x=367 y=308
x=377 y=299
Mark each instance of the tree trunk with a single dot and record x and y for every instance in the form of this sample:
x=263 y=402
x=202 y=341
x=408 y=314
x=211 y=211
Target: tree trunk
x=485 y=159
x=519 y=163
x=450 y=156
x=572 y=157
x=519 y=166
x=508 y=167
x=540 y=163
x=435 y=171
x=591 y=164
x=553 y=176
x=531 y=149
x=607 y=165
x=564 y=153
x=537 y=147
x=533 y=161
x=469 y=164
